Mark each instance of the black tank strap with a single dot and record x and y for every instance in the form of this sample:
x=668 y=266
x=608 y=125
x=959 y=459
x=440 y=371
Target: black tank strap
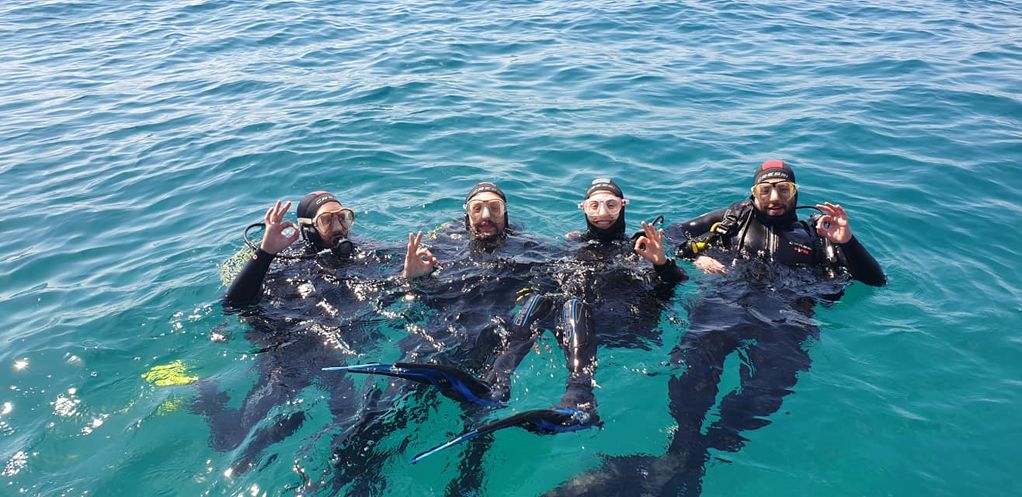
x=734 y=217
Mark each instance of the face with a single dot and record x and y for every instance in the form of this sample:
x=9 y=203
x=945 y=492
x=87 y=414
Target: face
x=602 y=209
x=775 y=198
x=333 y=222
x=486 y=215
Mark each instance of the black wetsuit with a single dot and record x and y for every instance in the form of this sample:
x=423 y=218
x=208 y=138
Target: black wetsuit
x=786 y=240
x=478 y=286
x=319 y=312
x=602 y=282
x=762 y=307
x=453 y=317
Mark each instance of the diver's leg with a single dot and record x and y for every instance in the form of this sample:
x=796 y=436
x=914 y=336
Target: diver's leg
x=280 y=428
x=772 y=370
x=229 y=427
x=522 y=336
x=579 y=346
x=471 y=473
x=358 y=456
x=702 y=351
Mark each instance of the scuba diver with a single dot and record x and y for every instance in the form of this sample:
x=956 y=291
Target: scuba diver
x=590 y=282
x=321 y=309
x=324 y=223
x=458 y=290
x=766 y=226
x=775 y=269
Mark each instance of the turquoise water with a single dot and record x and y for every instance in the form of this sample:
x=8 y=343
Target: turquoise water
x=138 y=138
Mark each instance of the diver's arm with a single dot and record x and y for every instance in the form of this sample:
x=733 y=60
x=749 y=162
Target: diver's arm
x=248 y=285
x=833 y=225
x=649 y=244
x=419 y=261
x=861 y=264
x=670 y=272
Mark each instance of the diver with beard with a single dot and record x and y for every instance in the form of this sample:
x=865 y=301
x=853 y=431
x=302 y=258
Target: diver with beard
x=324 y=223
x=321 y=310
x=597 y=268
x=766 y=226
x=777 y=267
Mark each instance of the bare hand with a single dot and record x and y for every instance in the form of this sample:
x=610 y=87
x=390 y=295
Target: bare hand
x=418 y=259
x=274 y=239
x=708 y=264
x=833 y=224
x=650 y=245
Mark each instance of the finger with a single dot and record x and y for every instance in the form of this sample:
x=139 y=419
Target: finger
x=640 y=244
x=268 y=216
x=840 y=211
x=649 y=230
x=410 y=248
x=659 y=238
x=283 y=211
x=418 y=239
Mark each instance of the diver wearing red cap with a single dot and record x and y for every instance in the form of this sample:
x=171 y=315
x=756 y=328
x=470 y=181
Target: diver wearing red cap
x=766 y=226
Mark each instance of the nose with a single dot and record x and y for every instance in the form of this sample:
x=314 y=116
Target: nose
x=603 y=209
x=774 y=195
x=485 y=213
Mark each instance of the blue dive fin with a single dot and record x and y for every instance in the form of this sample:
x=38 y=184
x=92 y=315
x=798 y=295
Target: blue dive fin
x=451 y=382
x=540 y=421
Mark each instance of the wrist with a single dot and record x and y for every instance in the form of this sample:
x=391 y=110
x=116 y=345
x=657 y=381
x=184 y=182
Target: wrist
x=262 y=253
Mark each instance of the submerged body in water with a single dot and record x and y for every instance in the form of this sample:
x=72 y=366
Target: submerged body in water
x=775 y=269
x=313 y=312
x=593 y=282
x=763 y=313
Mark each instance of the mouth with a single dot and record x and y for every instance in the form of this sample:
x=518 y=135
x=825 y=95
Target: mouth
x=335 y=237
x=603 y=224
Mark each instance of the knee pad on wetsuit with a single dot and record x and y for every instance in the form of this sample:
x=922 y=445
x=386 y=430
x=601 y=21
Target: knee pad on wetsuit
x=577 y=323
x=534 y=308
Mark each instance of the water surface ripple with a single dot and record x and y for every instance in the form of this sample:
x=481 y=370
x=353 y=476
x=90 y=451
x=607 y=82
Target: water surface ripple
x=138 y=138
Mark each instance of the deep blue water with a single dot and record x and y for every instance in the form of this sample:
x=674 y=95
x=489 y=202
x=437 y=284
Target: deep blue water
x=138 y=138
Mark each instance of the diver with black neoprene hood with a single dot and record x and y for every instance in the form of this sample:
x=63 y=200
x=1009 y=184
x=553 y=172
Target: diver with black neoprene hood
x=766 y=226
x=323 y=223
